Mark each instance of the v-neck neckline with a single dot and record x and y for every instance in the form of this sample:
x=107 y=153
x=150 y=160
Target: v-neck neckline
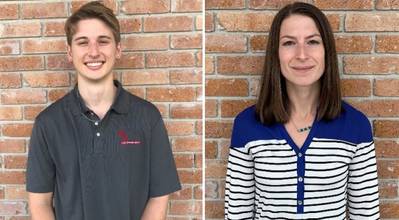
x=305 y=144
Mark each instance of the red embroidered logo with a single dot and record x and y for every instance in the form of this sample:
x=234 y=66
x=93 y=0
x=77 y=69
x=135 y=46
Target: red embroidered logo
x=125 y=139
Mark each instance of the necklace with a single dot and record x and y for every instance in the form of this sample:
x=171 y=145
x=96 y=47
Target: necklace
x=303 y=129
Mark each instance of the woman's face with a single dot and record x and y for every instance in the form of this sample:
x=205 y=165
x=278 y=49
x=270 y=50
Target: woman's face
x=301 y=51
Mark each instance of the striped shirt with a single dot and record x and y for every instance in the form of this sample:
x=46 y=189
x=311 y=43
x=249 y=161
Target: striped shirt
x=269 y=177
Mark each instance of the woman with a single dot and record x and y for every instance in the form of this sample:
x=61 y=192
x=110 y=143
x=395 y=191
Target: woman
x=301 y=152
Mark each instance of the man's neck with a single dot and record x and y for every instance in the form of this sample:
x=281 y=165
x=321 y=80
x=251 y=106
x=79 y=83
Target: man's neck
x=98 y=97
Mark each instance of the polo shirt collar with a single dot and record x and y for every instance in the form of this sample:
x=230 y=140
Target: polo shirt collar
x=120 y=105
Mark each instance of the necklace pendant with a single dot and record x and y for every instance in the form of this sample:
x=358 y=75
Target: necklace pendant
x=300 y=130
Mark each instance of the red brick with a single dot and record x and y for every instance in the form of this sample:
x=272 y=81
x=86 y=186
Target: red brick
x=258 y=43
x=9 y=11
x=17 y=130
x=215 y=169
x=387 y=149
x=198 y=193
x=130 y=61
x=179 y=128
x=145 y=77
x=198 y=127
x=76 y=4
x=141 y=7
x=186 y=5
x=226 y=87
x=225 y=43
x=388 y=190
x=389 y=209
x=12 y=146
x=199 y=22
x=20 y=29
x=184 y=194
x=137 y=43
x=21 y=63
x=19 y=218
x=211 y=149
x=387 y=44
x=163 y=109
x=211 y=108
x=191 y=110
x=353 y=44
x=224 y=149
x=13 y=208
x=356 y=87
x=185 y=208
x=191 y=41
x=46 y=79
x=16 y=192
x=224 y=4
x=378 y=108
x=230 y=65
x=168 y=23
x=271 y=4
x=388 y=169
x=209 y=64
x=387 y=4
x=230 y=108
x=185 y=76
x=58 y=62
x=43 y=46
x=372 y=22
x=54 y=28
x=55 y=94
x=245 y=21
x=218 y=129
x=23 y=96
x=184 y=160
x=209 y=22
x=254 y=86
x=190 y=176
x=386 y=87
x=170 y=59
x=335 y=21
x=214 y=209
x=43 y=10
x=211 y=190
x=140 y=92
x=187 y=144
x=15 y=162
x=30 y=112
x=371 y=64
x=344 y=5
x=198 y=59
x=177 y=94
x=12 y=177
x=386 y=128
x=130 y=25
x=198 y=160
x=10 y=113
x=9 y=47
x=10 y=80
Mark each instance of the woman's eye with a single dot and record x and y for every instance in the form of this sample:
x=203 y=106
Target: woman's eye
x=288 y=43
x=314 y=42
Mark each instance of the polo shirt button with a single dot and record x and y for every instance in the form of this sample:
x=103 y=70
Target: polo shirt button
x=96 y=123
x=299 y=154
x=300 y=179
x=98 y=134
x=300 y=202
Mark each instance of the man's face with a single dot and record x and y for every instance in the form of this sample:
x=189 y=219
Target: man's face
x=93 y=50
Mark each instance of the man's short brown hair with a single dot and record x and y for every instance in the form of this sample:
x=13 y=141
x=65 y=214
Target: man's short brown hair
x=92 y=10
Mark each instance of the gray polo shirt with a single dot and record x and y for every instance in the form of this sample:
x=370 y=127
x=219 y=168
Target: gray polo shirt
x=101 y=169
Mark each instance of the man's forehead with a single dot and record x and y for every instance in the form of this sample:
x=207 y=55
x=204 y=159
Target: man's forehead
x=92 y=28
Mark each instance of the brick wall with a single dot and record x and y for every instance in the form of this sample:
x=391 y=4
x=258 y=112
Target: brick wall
x=367 y=36
x=161 y=62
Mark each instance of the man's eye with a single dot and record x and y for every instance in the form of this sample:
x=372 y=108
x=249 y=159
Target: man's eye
x=288 y=43
x=103 y=42
x=83 y=43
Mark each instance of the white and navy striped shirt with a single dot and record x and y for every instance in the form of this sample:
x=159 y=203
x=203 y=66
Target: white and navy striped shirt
x=269 y=177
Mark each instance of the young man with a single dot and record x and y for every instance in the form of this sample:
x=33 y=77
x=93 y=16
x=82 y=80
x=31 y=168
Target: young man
x=99 y=152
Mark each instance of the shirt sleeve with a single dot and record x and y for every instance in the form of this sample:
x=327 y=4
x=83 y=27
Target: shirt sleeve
x=163 y=174
x=40 y=176
x=240 y=183
x=363 y=199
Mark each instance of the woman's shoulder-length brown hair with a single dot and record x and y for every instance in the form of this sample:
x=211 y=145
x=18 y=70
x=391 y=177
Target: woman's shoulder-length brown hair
x=273 y=105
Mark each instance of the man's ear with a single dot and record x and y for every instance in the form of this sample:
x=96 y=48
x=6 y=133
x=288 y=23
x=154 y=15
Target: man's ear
x=118 y=50
x=69 y=53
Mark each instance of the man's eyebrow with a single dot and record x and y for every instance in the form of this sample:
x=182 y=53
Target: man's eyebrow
x=99 y=37
x=80 y=38
x=105 y=36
